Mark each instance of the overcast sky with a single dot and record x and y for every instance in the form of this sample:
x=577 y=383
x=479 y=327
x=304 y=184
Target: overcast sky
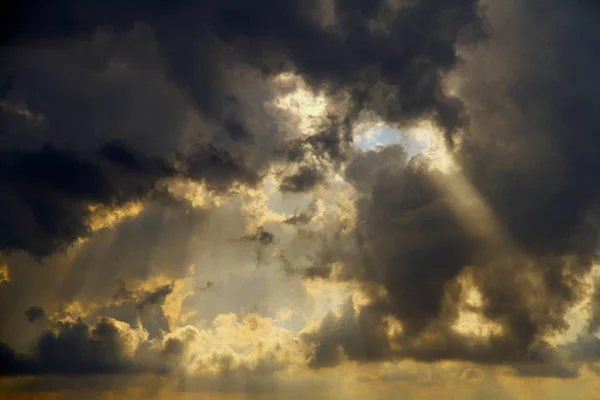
x=328 y=199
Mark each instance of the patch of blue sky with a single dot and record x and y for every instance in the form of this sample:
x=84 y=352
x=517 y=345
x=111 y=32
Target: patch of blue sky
x=376 y=137
x=380 y=136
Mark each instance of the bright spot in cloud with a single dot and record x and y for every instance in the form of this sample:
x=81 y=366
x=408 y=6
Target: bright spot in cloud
x=580 y=313
x=470 y=321
x=326 y=297
x=302 y=102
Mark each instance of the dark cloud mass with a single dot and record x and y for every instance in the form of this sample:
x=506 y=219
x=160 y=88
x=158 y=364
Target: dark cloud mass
x=304 y=180
x=101 y=103
x=77 y=348
x=530 y=152
x=69 y=63
x=360 y=338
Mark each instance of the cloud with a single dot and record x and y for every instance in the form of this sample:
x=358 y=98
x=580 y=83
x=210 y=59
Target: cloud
x=44 y=197
x=35 y=314
x=155 y=297
x=304 y=180
x=359 y=337
x=49 y=195
x=262 y=237
x=252 y=345
x=123 y=53
x=313 y=211
x=77 y=348
x=518 y=216
x=545 y=370
x=594 y=322
x=107 y=111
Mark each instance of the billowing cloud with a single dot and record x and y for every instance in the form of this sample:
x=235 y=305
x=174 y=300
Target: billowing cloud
x=76 y=348
x=121 y=53
x=153 y=155
x=517 y=216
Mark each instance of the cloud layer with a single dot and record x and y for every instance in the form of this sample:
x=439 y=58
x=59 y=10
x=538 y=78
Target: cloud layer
x=157 y=194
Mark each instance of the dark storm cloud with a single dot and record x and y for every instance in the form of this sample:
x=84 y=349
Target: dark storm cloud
x=218 y=168
x=549 y=196
x=117 y=83
x=408 y=237
x=365 y=167
x=545 y=194
x=594 y=322
x=43 y=198
x=152 y=319
x=404 y=56
x=46 y=194
x=77 y=348
x=128 y=158
x=302 y=181
x=404 y=50
x=359 y=337
x=89 y=70
x=531 y=151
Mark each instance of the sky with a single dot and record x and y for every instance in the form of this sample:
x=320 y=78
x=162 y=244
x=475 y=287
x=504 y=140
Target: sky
x=325 y=199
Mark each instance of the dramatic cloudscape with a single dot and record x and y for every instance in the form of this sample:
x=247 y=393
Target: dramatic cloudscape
x=292 y=199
